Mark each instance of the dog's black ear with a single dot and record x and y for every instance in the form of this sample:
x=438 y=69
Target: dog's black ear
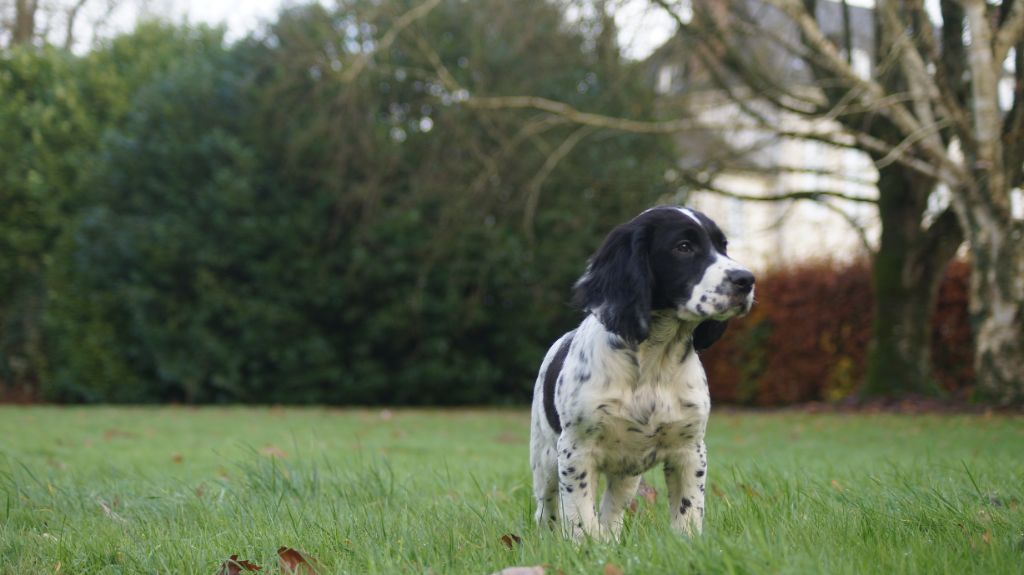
x=617 y=284
x=707 y=333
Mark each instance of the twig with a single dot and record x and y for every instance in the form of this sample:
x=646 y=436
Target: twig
x=389 y=37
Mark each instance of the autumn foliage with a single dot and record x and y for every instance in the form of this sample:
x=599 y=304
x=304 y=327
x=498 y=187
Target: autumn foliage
x=807 y=337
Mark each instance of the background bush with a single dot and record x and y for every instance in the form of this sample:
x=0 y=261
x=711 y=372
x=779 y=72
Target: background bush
x=248 y=224
x=807 y=337
x=183 y=219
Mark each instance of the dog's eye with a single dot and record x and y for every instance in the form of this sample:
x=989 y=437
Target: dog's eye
x=684 y=247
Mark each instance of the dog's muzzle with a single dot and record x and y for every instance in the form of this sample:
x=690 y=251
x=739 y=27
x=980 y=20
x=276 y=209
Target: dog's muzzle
x=741 y=289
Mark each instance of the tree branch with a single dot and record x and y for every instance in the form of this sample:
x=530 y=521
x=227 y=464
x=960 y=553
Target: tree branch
x=585 y=118
x=534 y=187
x=401 y=23
x=985 y=101
x=1011 y=32
x=819 y=196
x=69 y=29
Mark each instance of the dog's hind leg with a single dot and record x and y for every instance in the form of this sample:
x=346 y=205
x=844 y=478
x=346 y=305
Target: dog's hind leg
x=544 y=463
x=618 y=494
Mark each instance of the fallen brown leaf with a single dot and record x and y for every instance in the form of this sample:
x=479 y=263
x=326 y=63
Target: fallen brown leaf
x=274 y=451
x=837 y=486
x=115 y=433
x=508 y=438
x=647 y=492
x=109 y=510
x=511 y=540
x=234 y=566
x=613 y=569
x=295 y=562
x=177 y=458
x=535 y=570
x=987 y=537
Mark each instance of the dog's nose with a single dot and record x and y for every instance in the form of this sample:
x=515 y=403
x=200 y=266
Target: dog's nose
x=742 y=279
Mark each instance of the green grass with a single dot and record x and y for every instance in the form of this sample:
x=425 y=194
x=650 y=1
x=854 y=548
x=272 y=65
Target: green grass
x=433 y=491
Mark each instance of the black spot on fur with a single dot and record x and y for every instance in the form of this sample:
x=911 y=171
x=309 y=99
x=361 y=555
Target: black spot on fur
x=551 y=376
x=684 y=505
x=700 y=473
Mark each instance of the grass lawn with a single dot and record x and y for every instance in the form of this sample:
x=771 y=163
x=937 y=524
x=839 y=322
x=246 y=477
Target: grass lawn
x=178 y=490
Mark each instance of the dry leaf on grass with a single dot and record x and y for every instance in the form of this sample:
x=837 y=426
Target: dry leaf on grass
x=116 y=433
x=177 y=458
x=613 y=569
x=274 y=451
x=645 y=492
x=234 y=566
x=109 y=510
x=535 y=570
x=511 y=540
x=295 y=562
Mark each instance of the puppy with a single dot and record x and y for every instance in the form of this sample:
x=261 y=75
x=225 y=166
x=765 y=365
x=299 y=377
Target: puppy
x=625 y=390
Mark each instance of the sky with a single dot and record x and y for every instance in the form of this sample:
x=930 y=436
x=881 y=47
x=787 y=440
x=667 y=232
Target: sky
x=642 y=28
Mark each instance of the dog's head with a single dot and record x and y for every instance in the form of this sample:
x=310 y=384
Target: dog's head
x=667 y=258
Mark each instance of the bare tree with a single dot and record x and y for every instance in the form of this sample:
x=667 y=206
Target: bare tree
x=929 y=118
x=57 y=22
x=932 y=109
x=752 y=52
x=24 y=21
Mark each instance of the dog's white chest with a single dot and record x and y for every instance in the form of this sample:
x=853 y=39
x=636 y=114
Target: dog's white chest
x=636 y=425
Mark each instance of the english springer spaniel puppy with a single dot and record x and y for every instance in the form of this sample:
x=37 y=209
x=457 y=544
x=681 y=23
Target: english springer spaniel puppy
x=625 y=390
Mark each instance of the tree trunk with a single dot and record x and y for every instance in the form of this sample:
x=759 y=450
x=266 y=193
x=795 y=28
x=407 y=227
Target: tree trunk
x=24 y=21
x=908 y=269
x=997 y=307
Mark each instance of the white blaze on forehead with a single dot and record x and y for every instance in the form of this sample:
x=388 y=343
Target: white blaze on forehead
x=689 y=213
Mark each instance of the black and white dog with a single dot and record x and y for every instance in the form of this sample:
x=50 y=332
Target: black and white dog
x=626 y=390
